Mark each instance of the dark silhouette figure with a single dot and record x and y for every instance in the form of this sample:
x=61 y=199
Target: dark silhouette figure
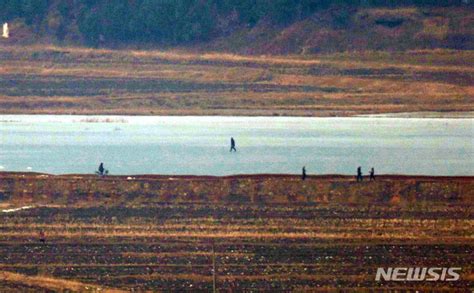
x=101 y=169
x=303 y=176
x=359 y=174
x=232 y=145
x=372 y=174
x=42 y=237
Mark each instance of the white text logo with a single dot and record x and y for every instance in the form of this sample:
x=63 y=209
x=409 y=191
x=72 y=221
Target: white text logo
x=417 y=274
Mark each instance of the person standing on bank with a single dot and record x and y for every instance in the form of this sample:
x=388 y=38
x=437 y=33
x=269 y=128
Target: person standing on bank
x=232 y=145
x=303 y=176
x=359 y=174
x=101 y=169
x=372 y=174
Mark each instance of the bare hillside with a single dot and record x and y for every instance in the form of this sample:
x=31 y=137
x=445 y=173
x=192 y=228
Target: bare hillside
x=349 y=29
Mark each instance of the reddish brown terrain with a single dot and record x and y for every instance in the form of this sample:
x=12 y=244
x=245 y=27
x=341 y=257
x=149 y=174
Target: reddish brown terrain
x=60 y=80
x=269 y=232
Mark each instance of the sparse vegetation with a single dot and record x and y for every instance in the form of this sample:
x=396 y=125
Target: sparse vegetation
x=270 y=232
x=245 y=26
x=258 y=247
x=88 y=81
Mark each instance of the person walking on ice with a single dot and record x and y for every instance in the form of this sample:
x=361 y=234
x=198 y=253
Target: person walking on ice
x=232 y=145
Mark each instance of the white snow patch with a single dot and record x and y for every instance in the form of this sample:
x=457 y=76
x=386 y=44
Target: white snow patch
x=17 y=209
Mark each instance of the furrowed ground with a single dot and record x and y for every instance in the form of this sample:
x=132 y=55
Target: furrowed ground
x=59 y=80
x=270 y=247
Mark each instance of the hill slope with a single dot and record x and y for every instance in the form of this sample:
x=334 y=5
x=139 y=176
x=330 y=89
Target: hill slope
x=348 y=29
x=297 y=27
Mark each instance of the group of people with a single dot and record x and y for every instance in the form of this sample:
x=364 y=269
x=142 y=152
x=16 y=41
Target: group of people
x=102 y=172
x=359 y=176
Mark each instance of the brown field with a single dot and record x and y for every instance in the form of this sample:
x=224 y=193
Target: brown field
x=62 y=80
x=157 y=234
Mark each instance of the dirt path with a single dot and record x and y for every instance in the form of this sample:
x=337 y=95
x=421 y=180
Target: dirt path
x=54 y=283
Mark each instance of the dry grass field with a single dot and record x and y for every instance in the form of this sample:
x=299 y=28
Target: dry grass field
x=140 y=242
x=61 y=80
x=270 y=248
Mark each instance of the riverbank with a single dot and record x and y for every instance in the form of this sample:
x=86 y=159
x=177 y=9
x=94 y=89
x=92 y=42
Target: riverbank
x=35 y=188
x=262 y=232
x=70 y=80
x=290 y=247
x=427 y=115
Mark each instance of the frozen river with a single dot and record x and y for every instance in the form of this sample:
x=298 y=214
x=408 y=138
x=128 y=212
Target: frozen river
x=200 y=145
